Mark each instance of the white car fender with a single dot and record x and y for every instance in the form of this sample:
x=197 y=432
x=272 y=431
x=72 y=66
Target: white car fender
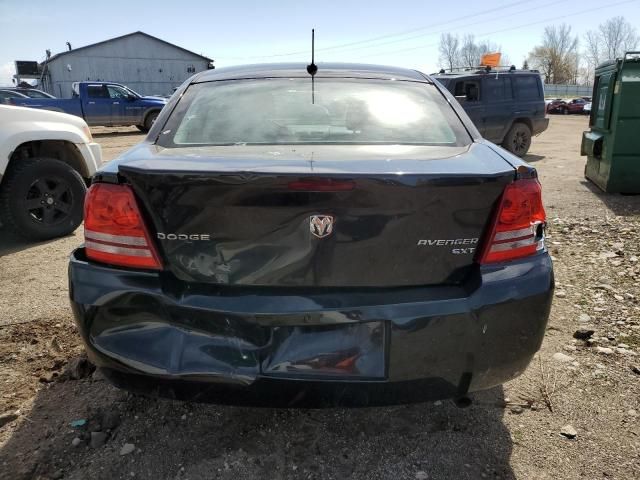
x=20 y=125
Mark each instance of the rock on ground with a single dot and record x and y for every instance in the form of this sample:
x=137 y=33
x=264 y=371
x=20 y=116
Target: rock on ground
x=568 y=431
x=562 y=358
x=98 y=439
x=127 y=448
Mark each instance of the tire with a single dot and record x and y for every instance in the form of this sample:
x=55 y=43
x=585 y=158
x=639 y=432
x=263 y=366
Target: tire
x=42 y=198
x=518 y=139
x=148 y=121
x=565 y=111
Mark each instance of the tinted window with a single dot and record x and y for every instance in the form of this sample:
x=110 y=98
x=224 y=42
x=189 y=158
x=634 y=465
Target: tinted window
x=97 y=91
x=470 y=89
x=527 y=87
x=4 y=94
x=341 y=111
x=497 y=89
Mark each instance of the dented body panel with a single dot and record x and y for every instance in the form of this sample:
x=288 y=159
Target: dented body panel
x=311 y=347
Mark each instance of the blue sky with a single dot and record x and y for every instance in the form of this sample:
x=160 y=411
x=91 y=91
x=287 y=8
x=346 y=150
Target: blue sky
x=399 y=32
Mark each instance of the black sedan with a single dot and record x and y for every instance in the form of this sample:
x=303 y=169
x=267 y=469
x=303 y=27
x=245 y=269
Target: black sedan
x=30 y=92
x=346 y=238
x=6 y=94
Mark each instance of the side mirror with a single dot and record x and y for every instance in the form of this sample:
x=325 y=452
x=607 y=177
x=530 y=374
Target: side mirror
x=131 y=98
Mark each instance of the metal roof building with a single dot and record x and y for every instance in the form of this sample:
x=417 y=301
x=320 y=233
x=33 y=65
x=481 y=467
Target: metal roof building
x=145 y=63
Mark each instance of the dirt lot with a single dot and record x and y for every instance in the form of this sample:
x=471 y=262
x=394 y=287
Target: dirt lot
x=509 y=432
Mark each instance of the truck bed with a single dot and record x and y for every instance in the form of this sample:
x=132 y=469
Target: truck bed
x=72 y=106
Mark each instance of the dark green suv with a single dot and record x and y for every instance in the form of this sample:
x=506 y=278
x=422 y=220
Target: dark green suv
x=507 y=106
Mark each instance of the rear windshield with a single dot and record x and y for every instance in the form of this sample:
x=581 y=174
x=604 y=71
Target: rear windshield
x=279 y=111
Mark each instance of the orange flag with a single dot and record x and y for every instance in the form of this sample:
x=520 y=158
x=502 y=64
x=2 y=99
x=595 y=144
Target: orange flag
x=490 y=59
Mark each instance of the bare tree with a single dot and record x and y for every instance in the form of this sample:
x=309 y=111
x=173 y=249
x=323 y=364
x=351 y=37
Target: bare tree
x=488 y=47
x=618 y=36
x=593 y=51
x=469 y=56
x=585 y=74
x=449 y=50
x=557 y=57
x=610 y=41
x=471 y=52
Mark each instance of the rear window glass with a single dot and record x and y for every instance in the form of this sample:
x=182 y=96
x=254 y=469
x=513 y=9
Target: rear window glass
x=97 y=91
x=331 y=111
x=527 y=87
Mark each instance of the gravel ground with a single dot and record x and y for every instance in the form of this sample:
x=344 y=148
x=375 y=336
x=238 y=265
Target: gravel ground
x=587 y=386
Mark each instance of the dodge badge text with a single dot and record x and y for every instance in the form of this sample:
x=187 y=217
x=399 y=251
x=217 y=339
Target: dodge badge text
x=183 y=236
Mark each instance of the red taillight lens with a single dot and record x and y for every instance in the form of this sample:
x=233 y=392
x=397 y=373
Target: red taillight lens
x=518 y=227
x=114 y=231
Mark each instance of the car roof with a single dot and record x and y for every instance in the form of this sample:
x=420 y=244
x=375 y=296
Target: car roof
x=478 y=73
x=335 y=70
x=19 y=89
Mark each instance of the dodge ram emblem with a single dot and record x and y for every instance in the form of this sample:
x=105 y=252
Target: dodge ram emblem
x=321 y=225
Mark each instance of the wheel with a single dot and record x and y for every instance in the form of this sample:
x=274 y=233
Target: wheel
x=42 y=198
x=565 y=111
x=148 y=122
x=518 y=139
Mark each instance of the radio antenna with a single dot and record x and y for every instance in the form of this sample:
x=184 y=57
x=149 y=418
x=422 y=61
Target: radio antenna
x=312 y=68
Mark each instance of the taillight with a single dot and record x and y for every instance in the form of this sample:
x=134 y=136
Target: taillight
x=114 y=230
x=518 y=229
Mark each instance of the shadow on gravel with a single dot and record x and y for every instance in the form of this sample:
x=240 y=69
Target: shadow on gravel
x=11 y=243
x=177 y=440
x=118 y=134
x=532 y=157
x=622 y=205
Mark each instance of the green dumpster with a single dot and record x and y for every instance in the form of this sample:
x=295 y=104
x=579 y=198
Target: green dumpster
x=612 y=145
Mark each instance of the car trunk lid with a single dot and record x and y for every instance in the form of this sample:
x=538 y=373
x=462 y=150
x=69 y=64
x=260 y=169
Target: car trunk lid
x=318 y=216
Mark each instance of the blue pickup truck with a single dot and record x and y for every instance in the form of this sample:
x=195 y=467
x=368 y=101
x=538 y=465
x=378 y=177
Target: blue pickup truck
x=102 y=103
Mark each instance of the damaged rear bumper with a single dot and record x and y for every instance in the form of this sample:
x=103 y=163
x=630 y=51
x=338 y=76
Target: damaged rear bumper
x=310 y=347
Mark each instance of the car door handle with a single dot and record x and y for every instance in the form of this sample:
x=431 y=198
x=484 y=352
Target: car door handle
x=92 y=103
x=116 y=103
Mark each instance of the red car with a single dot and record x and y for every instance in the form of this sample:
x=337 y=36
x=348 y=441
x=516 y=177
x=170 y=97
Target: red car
x=560 y=106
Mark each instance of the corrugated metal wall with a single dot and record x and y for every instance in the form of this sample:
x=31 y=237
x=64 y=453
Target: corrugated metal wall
x=147 y=66
x=552 y=90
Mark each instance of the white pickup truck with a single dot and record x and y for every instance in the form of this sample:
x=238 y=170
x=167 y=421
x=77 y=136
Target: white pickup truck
x=46 y=161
